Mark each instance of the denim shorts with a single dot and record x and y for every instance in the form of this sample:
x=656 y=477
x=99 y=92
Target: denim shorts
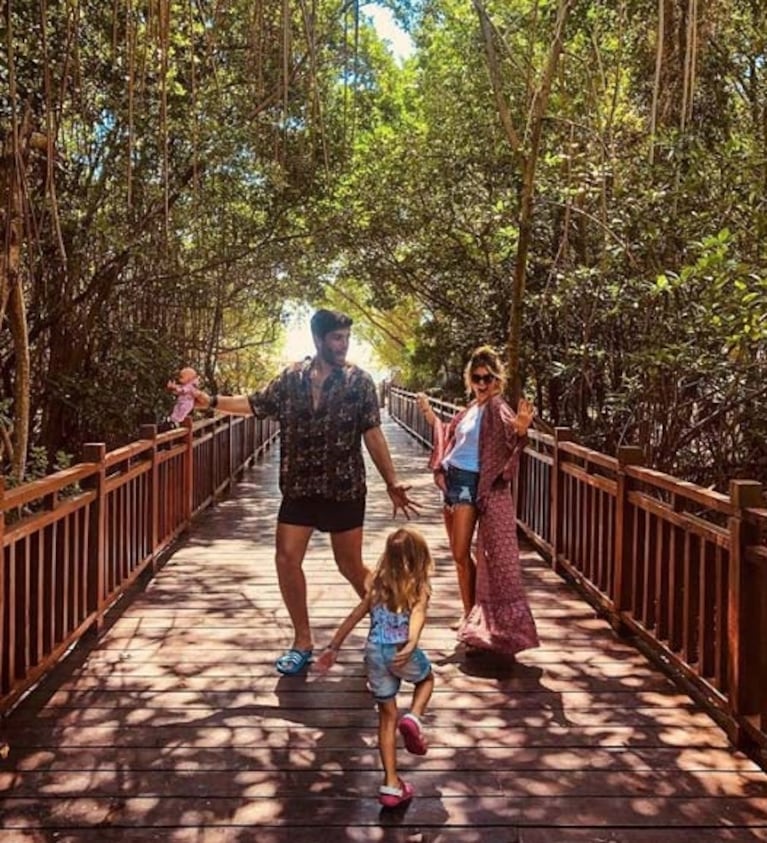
x=461 y=486
x=384 y=679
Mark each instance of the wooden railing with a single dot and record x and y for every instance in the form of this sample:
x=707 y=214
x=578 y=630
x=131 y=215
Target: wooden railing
x=681 y=567
x=75 y=541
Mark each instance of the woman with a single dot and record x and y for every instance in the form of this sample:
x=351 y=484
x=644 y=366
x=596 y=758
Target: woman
x=475 y=459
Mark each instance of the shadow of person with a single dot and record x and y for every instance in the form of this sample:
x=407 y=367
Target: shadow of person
x=509 y=676
x=427 y=812
x=486 y=664
x=389 y=817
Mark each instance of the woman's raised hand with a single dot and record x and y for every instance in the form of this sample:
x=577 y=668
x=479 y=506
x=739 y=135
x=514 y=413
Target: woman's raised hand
x=425 y=407
x=525 y=413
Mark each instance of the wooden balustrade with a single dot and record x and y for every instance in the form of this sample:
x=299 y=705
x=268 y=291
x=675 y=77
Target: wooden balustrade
x=681 y=567
x=73 y=542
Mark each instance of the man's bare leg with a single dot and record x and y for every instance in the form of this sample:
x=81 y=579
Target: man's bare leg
x=291 y=543
x=347 y=550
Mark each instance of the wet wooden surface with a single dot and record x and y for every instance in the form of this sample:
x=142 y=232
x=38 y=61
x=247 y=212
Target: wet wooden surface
x=175 y=727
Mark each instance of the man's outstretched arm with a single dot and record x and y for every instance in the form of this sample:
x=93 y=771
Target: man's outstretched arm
x=233 y=405
x=378 y=449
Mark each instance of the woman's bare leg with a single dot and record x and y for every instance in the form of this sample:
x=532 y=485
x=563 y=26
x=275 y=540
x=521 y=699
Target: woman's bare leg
x=464 y=520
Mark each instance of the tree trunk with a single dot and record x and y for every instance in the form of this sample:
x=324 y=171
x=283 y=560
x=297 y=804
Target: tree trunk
x=16 y=147
x=17 y=319
x=528 y=157
x=537 y=113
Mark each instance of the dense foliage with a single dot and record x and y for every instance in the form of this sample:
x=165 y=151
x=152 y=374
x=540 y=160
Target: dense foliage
x=174 y=173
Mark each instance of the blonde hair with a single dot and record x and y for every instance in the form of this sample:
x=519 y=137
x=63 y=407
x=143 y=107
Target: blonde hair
x=401 y=578
x=490 y=359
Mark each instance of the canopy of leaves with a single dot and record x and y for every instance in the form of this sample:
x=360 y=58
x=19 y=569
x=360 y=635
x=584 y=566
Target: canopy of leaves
x=205 y=163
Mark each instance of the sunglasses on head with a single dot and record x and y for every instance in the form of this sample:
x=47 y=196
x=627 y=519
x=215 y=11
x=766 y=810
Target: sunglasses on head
x=482 y=378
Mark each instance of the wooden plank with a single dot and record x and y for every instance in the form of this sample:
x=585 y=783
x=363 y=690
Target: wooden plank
x=349 y=807
x=427 y=780
x=671 y=763
x=444 y=698
x=392 y=834
x=440 y=717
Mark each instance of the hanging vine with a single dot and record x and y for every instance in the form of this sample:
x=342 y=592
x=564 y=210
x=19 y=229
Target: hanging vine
x=690 y=64
x=660 y=40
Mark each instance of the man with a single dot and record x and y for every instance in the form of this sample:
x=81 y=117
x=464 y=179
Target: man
x=326 y=408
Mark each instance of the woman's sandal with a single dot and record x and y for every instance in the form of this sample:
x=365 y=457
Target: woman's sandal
x=293 y=661
x=394 y=797
x=410 y=729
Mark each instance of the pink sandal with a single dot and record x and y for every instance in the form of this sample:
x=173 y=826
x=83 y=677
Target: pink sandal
x=410 y=729
x=394 y=797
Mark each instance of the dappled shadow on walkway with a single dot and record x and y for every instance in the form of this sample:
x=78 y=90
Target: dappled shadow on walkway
x=176 y=727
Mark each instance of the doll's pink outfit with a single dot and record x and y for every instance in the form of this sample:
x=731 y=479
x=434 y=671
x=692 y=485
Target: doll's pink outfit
x=184 y=400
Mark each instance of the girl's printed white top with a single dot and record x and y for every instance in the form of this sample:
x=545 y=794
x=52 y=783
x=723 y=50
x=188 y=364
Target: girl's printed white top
x=387 y=627
x=465 y=451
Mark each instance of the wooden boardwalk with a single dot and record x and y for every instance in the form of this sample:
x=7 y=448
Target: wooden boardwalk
x=175 y=728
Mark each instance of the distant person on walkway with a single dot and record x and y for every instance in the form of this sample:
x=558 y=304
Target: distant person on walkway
x=474 y=460
x=326 y=407
x=396 y=600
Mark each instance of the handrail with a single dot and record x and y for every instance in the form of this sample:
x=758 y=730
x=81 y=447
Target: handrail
x=75 y=541
x=681 y=567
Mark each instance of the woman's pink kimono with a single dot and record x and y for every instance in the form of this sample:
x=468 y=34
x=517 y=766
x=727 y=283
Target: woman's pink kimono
x=501 y=619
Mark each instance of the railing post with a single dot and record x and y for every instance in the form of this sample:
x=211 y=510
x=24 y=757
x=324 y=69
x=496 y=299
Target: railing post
x=188 y=471
x=232 y=451
x=743 y=605
x=556 y=508
x=149 y=431
x=623 y=561
x=252 y=428
x=96 y=572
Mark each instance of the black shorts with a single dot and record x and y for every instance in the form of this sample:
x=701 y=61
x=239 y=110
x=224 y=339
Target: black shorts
x=324 y=515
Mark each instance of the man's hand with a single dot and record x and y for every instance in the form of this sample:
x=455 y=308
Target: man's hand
x=401 y=500
x=201 y=399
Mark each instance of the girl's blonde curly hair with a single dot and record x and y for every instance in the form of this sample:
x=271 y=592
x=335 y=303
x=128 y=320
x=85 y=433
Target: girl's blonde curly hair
x=401 y=578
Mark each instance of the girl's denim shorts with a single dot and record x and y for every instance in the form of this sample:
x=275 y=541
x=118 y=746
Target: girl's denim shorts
x=461 y=486
x=384 y=678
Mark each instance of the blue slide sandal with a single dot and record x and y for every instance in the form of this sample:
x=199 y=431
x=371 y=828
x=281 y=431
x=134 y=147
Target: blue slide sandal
x=293 y=661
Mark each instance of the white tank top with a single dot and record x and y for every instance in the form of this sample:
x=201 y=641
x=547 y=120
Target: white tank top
x=465 y=451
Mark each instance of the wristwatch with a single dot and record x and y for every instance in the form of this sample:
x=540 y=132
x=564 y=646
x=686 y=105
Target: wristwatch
x=213 y=403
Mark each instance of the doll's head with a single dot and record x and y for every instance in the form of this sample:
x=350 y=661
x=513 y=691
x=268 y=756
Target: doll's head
x=187 y=375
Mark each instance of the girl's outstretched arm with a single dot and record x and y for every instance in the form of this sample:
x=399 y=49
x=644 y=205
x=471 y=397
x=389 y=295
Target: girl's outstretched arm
x=327 y=657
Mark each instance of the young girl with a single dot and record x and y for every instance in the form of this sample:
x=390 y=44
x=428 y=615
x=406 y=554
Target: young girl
x=397 y=595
